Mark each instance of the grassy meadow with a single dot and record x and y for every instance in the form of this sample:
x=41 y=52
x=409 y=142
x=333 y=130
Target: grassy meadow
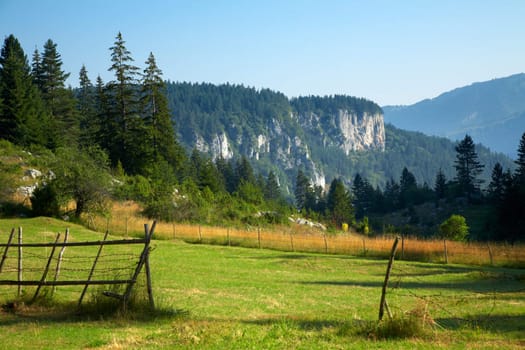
x=225 y=297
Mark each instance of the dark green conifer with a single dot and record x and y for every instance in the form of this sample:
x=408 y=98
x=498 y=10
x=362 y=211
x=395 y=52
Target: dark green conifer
x=468 y=168
x=23 y=120
x=157 y=117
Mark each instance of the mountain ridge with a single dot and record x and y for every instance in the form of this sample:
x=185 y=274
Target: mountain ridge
x=492 y=112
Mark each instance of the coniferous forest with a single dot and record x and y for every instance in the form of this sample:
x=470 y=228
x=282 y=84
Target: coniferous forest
x=116 y=140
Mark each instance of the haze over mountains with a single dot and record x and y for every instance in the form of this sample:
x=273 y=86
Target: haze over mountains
x=492 y=112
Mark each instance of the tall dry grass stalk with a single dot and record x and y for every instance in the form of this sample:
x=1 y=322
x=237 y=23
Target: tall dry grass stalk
x=125 y=219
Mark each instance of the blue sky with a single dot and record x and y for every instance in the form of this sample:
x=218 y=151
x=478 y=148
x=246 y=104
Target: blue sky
x=392 y=52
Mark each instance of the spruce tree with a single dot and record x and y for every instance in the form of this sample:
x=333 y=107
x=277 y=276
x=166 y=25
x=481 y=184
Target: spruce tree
x=496 y=188
x=36 y=69
x=59 y=101
x=106 y=125
x=440 y=185
x=127 y=137
x=227 y=173
x=302 y=190
x=363 y=193
x=22 y=116
x=272 y=192
x=157 y=118
x=520 y=171
x=338 y=204
x=89 y=127
x=468 y=168
x=407 y=188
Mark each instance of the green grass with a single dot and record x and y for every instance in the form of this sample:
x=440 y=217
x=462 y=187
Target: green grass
x=216 y=297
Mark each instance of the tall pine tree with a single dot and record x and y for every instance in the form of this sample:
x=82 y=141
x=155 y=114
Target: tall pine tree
x=339 y=207
x=440 y=185
x=157 y=117
x=89 y=126
x=520 y=171
x=272 y=192
x=22 y=116
x=128 y=136
x=59 y=101
x=468 y=168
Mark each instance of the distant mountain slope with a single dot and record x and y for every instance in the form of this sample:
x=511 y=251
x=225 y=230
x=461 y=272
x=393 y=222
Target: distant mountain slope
x=492 y=112
x=327 y=137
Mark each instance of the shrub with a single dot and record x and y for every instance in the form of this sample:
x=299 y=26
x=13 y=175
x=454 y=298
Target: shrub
x=454 y=228
x=44 y=201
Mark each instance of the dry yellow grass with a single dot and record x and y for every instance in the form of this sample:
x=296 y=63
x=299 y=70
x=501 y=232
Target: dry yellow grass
x=125 y=219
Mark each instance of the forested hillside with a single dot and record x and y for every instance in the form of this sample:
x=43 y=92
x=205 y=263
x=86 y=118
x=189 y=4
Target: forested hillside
x=232 y=121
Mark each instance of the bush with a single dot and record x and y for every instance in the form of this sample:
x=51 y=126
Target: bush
x=454 y=228
x=44 y=201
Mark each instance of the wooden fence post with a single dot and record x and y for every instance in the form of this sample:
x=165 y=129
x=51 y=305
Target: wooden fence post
x=325 y=244
x=402 y=247
x=20 y=260
x=490 y=255
x=147 y=236
x=445 y=250
x=143 y=259
x=259 y=236
x=200 y=234
x=364 y=247
x=291 y=241
x=383 y=303
x=228 y=236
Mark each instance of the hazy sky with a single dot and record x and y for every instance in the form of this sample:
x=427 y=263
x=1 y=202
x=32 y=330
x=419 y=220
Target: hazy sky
x=392 y=52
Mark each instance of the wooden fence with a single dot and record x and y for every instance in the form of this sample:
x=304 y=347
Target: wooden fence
x=85 y=265
x=301 y=238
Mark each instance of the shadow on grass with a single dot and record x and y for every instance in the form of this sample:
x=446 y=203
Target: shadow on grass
x=15 y=313
x=482 y=287
x=489 y=323
x=302 y=324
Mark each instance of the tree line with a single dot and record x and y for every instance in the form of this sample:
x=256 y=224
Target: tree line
x=355 y=202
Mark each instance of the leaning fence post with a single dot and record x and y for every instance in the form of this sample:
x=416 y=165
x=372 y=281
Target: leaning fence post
x=383 y=304
x=46 y=270
x=19 y=261
x=4 y=256
x=92 y=269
